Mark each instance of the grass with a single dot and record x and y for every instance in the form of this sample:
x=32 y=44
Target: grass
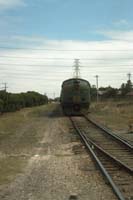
x=20 y=134
x=10 y=167
x=112 y=115
x=42 y=111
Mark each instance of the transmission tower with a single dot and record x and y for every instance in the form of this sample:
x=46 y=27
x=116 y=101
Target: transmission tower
x=129 y=76
x=76 y=69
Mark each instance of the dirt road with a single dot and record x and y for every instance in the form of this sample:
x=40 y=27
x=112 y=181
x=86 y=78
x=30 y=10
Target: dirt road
x=41 y=159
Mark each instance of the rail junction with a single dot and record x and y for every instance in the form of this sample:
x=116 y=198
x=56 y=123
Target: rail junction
x=112 y=154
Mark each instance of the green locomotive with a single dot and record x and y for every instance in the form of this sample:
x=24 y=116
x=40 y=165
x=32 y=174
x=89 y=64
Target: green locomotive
x=75 y=96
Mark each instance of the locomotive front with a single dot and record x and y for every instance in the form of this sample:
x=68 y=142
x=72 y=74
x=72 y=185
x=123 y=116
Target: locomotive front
x=75 y=96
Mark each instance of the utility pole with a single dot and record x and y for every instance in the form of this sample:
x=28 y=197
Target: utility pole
x=129 y=82
x=54 y=95
x=5 y=86
x=6 y=94
x=97 y=87
x=76 y=69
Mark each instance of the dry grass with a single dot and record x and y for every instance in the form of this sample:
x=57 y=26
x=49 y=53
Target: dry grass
x=115 y=115
x=9 y=167
x=19 y=136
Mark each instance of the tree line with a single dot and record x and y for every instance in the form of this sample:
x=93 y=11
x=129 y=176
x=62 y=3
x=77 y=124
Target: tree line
x=110 y=92
x=10 y=102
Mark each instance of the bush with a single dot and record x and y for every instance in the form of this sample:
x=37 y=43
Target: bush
x=11 y=102
x=1 y=105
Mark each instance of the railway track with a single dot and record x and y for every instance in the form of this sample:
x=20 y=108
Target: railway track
x=112 y=154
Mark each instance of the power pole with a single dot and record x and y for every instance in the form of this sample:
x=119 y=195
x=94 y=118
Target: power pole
x=54 y=95
x=6 y=94
x=97 y=86
x=5 y=86
x=129 y=81
x=76 y=69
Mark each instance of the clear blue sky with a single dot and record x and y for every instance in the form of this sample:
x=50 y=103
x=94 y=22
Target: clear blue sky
x=65 y=24
x=71 y=19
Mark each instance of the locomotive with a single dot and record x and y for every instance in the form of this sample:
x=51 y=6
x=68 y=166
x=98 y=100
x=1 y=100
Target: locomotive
x=75 y=96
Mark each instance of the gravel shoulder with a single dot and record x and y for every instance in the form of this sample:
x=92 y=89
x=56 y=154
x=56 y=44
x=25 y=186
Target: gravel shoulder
x=49 y=160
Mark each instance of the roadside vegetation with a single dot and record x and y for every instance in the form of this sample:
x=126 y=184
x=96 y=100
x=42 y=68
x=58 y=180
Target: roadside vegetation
x=114 y=108
x=116 y=115
x=124 y=92
x=10 y=102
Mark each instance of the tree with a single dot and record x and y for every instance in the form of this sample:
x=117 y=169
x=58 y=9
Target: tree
x=126 y=87
x=1 y=105
x=12 y=102
x=110 y=92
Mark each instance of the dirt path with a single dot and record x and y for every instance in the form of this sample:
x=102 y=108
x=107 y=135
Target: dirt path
x=54 y=167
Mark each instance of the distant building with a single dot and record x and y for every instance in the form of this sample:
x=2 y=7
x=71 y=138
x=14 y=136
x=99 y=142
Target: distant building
x=102 y=92
x=119 y=92
x=130 y=94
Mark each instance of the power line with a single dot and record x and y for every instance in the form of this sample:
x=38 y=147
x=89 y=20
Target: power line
x=4 y=56
x=39 y=65
x=49 y=65
x=33 y=75
x=38 y=72
x=55 y=58
x=60 y=77
x=32 y=71
x=47 y=49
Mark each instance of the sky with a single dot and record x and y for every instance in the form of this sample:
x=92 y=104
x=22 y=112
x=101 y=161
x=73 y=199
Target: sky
x=39 y=40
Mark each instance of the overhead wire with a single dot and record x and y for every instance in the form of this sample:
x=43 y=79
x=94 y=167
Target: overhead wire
x=47 y=65
x=38 y=76
x=59 y=58
x=48 y=73
x=55 y=49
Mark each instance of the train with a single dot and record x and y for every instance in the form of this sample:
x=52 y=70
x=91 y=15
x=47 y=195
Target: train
x=75 y=96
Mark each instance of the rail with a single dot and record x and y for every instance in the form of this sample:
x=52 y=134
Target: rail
x=111 y=133
x=91 y=147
